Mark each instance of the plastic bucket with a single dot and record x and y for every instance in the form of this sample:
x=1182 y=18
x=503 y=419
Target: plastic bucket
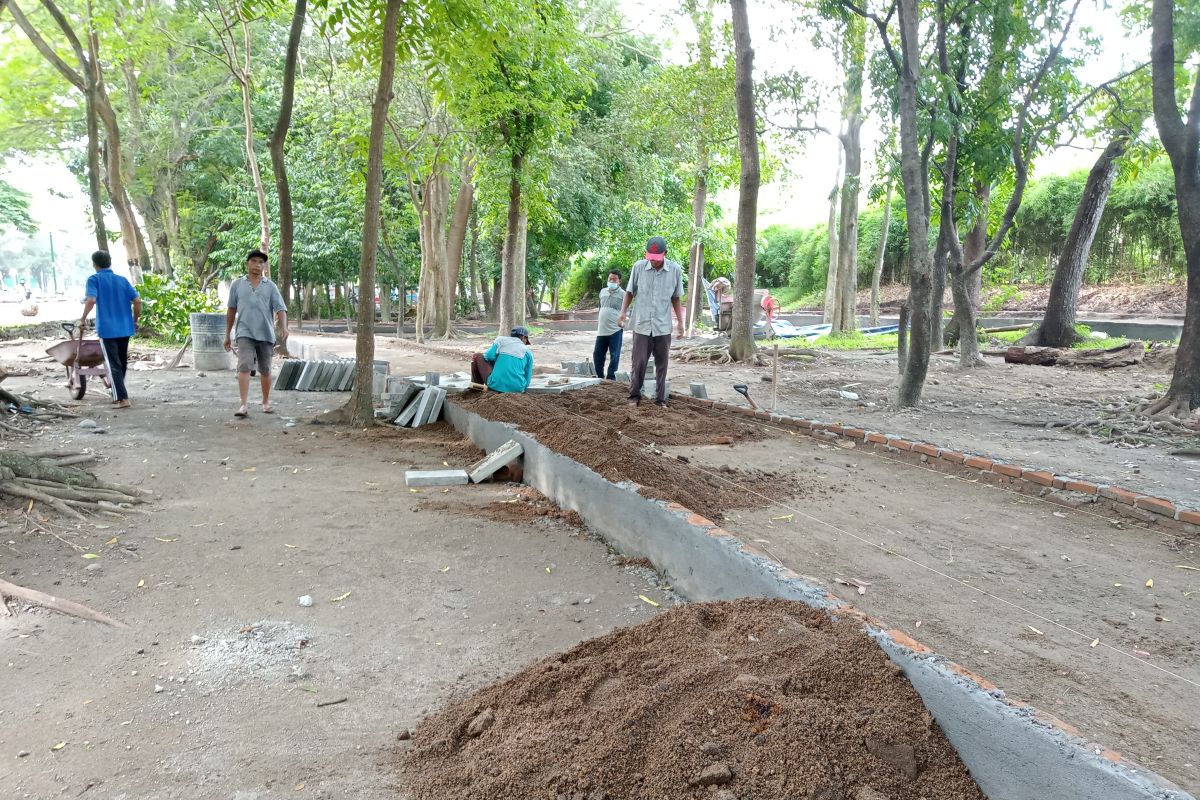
x=208 y=342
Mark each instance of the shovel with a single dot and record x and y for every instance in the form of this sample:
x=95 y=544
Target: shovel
x=742 y=389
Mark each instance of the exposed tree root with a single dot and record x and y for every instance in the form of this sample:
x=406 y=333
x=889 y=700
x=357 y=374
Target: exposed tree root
x=53 y=603
x=715 y=354
x=1169 y=405
x=67 y=490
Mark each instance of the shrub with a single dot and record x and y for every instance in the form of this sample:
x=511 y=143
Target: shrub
x=166 y=304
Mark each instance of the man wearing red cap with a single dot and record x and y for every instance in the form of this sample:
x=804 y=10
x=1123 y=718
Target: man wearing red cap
x=657 y=285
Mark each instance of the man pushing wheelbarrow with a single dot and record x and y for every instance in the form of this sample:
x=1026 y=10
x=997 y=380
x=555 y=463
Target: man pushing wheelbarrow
x=118 y=308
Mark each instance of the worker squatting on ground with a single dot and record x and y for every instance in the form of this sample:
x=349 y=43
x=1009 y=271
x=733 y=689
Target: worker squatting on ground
x=118 y=308
x=507 y=366
x=254 y=303
x=657 y=285
x=608 y=330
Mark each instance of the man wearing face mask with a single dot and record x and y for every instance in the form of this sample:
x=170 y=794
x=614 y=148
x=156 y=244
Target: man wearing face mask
x=656 y=283
x=608 y=329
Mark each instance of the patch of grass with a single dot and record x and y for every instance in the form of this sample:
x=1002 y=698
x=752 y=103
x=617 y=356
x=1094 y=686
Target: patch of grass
x=1004 y=337
x=155 y=343
x=853 y=340
x=791 y=298
x=1111 y=343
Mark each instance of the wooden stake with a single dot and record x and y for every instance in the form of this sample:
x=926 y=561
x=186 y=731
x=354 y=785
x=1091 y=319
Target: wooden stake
x=179 y=356
x=775 y=380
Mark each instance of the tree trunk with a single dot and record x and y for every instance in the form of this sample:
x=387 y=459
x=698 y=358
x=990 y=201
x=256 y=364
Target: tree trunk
x=880 y=252
x=916 y=189
x=741 y=345
x=360 y=405
x=831 y=228
x=433 y=221
x=1057 y=329
x=508 y=272
x=521 y=301
x=276 y=144
x=473 y=285
x=458 y=232
x=845 y=315
x=696 y=295
x=93 y=161
x=902 y=338
x=1181 y=140
x=973 y=248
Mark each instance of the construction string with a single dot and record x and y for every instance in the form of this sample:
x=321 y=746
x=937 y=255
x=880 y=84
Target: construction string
x=891 y=552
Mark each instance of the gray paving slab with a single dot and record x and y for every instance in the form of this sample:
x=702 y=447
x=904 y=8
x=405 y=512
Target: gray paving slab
x=503 y=455
x=435 y=477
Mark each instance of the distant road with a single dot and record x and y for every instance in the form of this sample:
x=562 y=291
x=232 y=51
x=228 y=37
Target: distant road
x=48 y=311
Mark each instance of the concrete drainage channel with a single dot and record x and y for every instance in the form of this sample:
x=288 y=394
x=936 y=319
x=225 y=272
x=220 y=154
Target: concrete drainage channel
x=1013 y=752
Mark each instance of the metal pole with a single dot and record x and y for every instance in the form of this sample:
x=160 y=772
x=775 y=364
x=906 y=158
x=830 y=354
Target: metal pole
x=775 y=379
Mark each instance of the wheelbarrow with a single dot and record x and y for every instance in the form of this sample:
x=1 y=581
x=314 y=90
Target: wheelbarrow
x=83 y=358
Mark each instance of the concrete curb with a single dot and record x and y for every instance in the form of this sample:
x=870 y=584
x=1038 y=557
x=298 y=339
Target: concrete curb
x=1014 y=751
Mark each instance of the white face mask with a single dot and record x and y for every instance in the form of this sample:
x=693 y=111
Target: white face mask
x=613 y=284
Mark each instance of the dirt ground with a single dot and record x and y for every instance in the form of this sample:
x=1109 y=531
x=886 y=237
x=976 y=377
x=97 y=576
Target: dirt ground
x=999 y=410
x=249 y=517
x=410 y=637
x=1055 y=579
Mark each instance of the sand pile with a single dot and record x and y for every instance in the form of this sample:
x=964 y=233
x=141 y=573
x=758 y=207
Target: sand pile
x=741 y=700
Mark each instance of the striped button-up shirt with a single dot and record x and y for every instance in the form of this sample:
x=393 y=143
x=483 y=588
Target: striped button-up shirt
x=652 y=290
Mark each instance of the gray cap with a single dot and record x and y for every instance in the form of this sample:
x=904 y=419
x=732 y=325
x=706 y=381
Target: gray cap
x=520 y=332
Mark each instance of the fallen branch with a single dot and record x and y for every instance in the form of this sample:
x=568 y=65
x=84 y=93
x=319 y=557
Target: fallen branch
x=68 y=607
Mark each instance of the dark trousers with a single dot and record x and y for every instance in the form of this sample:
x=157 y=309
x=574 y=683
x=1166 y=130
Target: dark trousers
x=117 y=353
x=607 y=346
x=481 y=369
x=643 y=348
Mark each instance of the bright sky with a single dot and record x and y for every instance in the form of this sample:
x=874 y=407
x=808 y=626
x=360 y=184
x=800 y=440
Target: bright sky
x=797 y=197
x=801 y=196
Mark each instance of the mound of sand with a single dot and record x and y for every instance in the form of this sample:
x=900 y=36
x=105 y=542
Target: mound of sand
x=741 y=700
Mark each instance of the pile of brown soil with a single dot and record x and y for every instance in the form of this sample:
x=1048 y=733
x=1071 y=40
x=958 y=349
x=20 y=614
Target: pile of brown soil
x=762 y=699
x=605 y=406
x=596 y=428
x=527 y=505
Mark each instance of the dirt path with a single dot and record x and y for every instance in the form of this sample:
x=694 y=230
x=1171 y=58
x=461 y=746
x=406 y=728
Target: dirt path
x=1010 y=586
x=252 y=516
x=987 y=410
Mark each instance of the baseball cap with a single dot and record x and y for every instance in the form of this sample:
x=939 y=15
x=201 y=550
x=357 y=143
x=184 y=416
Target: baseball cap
x=520 y=332
x=656 y=249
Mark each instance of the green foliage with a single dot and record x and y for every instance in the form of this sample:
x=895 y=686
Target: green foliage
x=14 y=210
x=853 y=340
x=167 y=304
x=997 y=300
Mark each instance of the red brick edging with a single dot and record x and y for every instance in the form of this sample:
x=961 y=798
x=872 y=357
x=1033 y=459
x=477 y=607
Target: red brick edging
x=1064 y=490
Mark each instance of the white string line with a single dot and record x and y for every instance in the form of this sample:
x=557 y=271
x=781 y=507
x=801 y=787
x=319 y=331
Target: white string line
x=871 y=452
x=912 y=561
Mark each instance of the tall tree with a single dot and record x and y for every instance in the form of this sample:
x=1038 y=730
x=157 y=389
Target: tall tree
x=360 y=405
x=844 y=316
x=89 y=80
x=741 y=345
x=1057 y=328
x=880 y=252
x=1173 y=45
x=235 y=55
x=276 y=146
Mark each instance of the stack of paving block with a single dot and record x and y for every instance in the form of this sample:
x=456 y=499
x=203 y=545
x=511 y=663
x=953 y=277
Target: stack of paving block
x=396 y=397
x=478 y=472
x=424 y=408
x=326 y=375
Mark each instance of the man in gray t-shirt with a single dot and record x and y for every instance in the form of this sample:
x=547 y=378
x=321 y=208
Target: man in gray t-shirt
x=656 y=284
x=254 y=304
x=608 y=332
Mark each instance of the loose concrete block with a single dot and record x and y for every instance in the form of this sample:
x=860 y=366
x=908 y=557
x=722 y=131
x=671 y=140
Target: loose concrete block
x=433 y=378
x=306 y=376
x=318 y=377
x=502 y=456
x=285 y=371
x=699 y=390
x=623 y=377
x=382 y=367
x=430 y=398
x=435 y=477
x=409 y=413
x=435 y=406
x=347 y=377
x=378 y=382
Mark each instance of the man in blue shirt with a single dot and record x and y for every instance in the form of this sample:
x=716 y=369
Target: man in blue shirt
x=507 y=366
x=118 y=308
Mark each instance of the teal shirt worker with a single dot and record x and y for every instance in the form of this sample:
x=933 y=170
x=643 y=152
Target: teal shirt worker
x=512 y=363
